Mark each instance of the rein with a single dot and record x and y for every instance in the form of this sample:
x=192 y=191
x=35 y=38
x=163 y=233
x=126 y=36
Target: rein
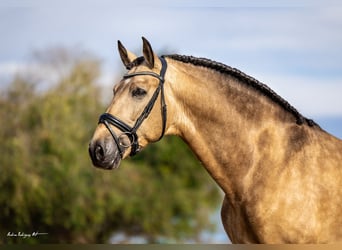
x=131 y=132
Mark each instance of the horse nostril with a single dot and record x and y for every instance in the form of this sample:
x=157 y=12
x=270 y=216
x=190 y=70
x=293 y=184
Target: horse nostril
x=104 y=153
x=99 y=153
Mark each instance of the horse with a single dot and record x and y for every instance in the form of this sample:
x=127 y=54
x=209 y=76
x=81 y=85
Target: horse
x=281 y=173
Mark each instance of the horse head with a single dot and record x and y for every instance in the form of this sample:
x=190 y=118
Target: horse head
x=137 y=113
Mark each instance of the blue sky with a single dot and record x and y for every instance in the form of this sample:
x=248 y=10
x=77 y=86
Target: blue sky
x=295 y=47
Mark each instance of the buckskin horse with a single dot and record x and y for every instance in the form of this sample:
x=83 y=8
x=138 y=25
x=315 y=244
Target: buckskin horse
x=280 y=172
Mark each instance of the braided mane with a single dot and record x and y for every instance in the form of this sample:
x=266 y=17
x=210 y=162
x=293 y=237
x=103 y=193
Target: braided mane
x=248 y=80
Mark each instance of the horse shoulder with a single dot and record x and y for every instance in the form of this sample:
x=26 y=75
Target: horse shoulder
x=293 y=191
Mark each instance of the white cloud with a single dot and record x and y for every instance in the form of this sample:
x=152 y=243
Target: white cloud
x=10 y=68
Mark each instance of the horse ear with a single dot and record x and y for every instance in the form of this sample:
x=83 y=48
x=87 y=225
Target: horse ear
x=126 y=56
x=148 y=53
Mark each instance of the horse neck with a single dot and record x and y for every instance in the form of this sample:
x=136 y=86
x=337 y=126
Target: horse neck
x=220 y=119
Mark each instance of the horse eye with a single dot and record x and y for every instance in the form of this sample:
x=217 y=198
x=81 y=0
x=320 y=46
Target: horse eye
x=138 y=92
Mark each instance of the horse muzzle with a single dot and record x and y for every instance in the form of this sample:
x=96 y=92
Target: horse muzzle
x=104 y=153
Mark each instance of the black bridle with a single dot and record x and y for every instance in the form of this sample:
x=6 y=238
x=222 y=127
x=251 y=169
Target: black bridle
x=131 y=132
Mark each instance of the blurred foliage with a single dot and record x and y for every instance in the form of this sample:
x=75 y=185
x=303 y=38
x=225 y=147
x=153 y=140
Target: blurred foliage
x=48 y=184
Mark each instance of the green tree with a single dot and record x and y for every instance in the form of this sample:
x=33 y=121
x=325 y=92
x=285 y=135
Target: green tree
x=47 y=181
